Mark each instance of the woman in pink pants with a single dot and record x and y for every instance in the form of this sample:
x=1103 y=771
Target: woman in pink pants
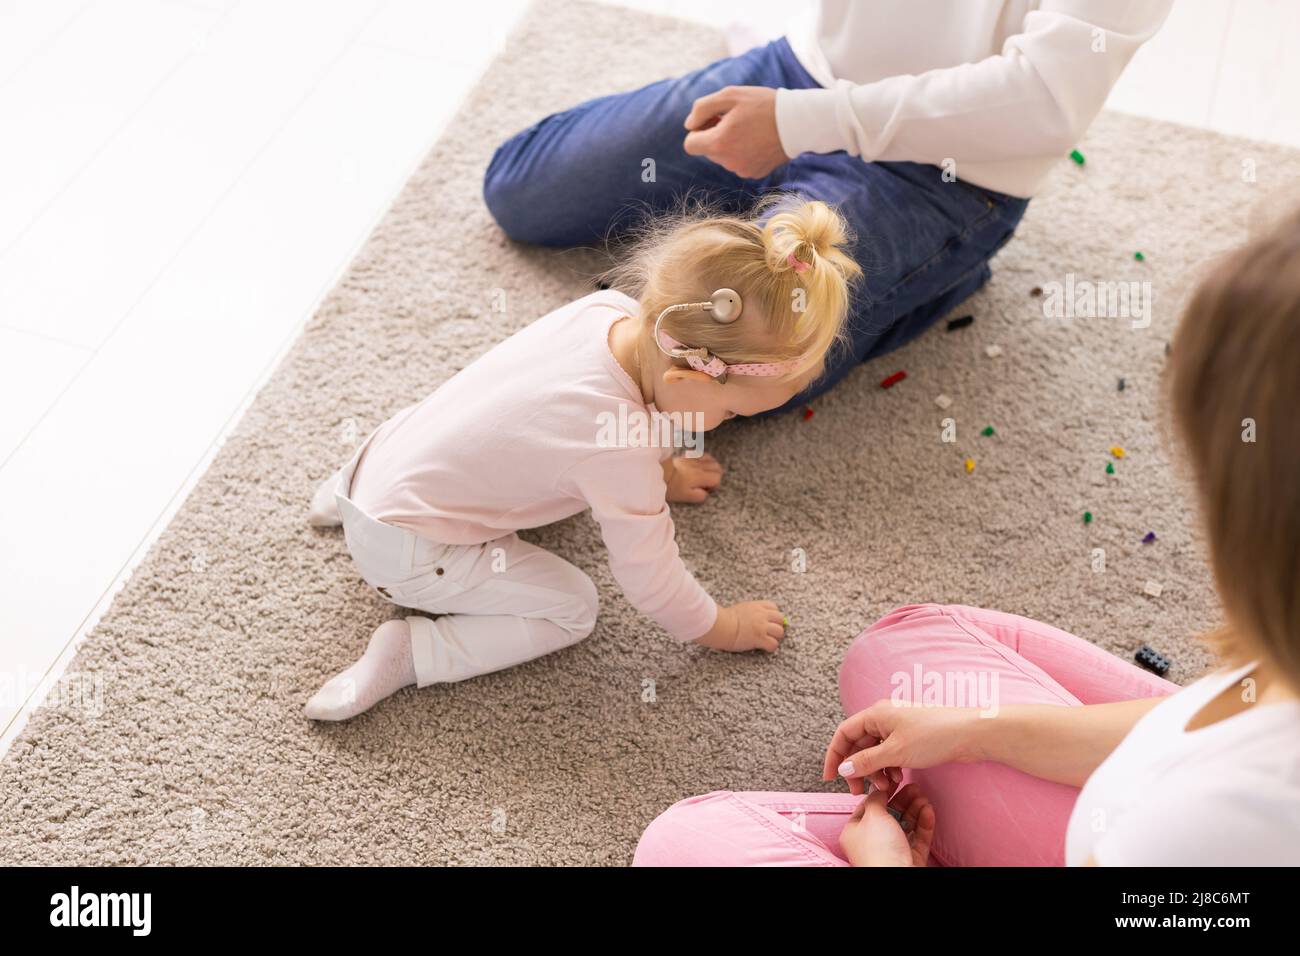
x=992 y=815
x=996 y=740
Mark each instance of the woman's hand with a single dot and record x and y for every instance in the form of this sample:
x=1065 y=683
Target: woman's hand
x=692 y=479
x=875 y=743
x=749 y=626
x=872 y=837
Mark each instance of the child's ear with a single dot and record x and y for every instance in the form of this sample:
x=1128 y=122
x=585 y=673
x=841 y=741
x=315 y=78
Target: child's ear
x=677 y=375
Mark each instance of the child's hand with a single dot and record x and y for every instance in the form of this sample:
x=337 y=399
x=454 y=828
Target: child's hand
x=749 y=626
x=692 y=479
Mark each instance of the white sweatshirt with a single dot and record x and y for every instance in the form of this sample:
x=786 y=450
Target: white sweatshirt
x=1004 y=88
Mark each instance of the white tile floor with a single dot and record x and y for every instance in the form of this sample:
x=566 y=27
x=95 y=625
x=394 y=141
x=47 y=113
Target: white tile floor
x=182 y=180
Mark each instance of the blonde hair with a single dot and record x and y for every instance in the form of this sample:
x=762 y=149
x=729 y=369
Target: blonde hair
x=1234 y=397
x=788 y=314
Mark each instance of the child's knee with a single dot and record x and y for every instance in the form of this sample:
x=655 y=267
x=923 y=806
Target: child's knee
x=576 y=604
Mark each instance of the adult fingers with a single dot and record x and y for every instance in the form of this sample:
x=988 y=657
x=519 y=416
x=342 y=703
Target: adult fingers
x=839 y=748
x=709 y=107
x=700 y=143
x=908 y=801
x=880 y=779
x=858 y=811
x=922 y=838
x=849 y=736
x=877 y=802
x=864 y=763
x=917 y=819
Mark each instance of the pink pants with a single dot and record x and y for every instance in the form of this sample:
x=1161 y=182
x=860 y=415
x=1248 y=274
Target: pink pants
x=986 y=814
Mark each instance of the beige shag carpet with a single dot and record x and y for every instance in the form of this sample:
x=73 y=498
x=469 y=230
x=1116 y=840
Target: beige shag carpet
x=200 y=754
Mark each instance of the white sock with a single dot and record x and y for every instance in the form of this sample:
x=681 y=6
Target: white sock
x=324 y=511
x=385 y=668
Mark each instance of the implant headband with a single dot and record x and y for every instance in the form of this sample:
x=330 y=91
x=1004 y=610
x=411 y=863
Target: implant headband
x=725 y=306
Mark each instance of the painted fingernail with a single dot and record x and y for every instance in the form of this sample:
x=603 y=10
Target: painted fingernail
x=846 y=768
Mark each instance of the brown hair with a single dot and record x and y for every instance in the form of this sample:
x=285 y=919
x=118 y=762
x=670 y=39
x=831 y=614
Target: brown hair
x=796 y=310
x=1234 y=385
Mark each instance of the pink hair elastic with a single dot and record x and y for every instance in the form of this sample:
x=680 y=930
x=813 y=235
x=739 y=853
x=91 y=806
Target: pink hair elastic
x=797 y=264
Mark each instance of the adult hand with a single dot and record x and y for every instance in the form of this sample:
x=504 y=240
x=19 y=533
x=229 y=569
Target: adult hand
x=874 y=744
x=872 y=837
x=736 y=128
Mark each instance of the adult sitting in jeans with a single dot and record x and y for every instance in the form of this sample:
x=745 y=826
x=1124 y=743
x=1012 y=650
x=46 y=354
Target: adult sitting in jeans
x=928 y=123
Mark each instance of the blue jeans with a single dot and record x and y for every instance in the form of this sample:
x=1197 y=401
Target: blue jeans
x=924 y=244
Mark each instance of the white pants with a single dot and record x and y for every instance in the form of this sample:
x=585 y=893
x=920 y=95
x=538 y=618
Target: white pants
x=503 y=602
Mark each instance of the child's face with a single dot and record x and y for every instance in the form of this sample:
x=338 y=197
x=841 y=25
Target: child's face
x=686 y=391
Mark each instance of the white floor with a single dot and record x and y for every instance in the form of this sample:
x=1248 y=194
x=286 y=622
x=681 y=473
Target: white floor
x=182 y=180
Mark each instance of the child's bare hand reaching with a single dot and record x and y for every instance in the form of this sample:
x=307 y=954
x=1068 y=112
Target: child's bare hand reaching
x=748 y=626
x=692 y=479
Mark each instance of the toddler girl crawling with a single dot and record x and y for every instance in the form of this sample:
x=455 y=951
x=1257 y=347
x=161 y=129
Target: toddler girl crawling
x=733 y=316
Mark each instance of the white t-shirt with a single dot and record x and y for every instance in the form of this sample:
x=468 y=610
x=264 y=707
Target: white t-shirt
x=1003 y=88
x=1227 y=794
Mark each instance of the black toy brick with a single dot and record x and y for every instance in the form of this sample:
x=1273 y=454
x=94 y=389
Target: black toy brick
x=1152 y=661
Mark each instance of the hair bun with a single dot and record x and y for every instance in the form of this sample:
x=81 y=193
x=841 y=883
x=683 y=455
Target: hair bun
x=805 y=232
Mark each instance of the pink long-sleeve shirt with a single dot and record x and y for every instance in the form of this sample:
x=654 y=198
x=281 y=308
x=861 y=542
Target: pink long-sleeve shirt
x=513 y=441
